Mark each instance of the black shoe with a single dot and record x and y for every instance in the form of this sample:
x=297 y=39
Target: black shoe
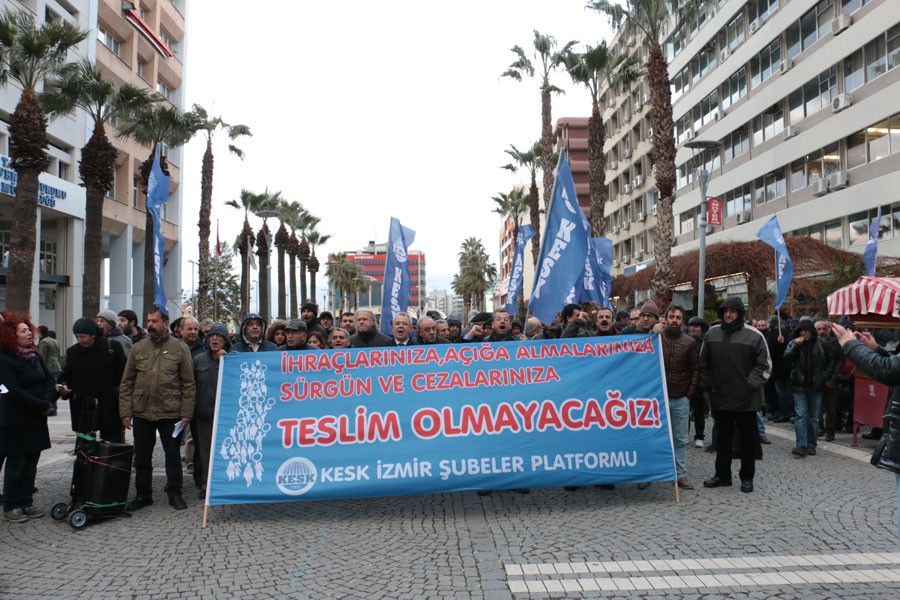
x=570 y=488
x=522 y=491
x=643 y=485
x=138 y=503
x=871 y=436
x=484 y=492
x=202 y=495
x=829 y=436
x=716 y=482
x=177 y=502
x=746 y=485
x=606 y=486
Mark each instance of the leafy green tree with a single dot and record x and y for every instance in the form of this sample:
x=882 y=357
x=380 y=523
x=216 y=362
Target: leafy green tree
x=209 y=126
x=648 y=21
x=530 y=160
x=476 y=274
x=315 y=238
x=348 y=277
x=83 y=86
x=224 y=290
x=30 y=55
x=545 y=51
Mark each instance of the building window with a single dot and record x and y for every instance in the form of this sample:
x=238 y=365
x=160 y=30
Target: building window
x=734 y=88
x=878 y=141
x=63 y=170
x=135 y=193
x=163 y=90
x=48 y=257
x=765 y=64
x=875 y=53
x=854 y=75
x=108 y=40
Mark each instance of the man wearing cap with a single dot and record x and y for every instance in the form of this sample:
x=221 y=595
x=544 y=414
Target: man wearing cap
x=401 y=327
x=108 y=323
x=734 y=367
x=128 y=323
x=454 y=329
x=308 y=313
x=367 y=334
x=206 y=375
x=253 y=327
x=326 y=322
x=476 y=331
x=156 y=394
x=295 y=336
x=94 y=367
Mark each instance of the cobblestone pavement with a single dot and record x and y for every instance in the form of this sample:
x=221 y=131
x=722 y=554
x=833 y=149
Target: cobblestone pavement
x=819 y=527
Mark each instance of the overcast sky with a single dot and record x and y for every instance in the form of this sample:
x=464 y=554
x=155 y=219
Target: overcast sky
x=365 y=110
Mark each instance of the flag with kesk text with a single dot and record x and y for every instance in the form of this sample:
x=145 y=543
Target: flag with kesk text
x=564 y=248
x=870 y=254
x=395 y=295
x=517 y=274
x=770 y=233
x=157 y=195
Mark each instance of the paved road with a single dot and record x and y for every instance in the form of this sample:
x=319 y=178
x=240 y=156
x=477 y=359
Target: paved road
x=820 y=527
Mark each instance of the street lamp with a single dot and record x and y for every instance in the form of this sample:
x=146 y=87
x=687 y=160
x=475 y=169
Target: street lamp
x=194 y=263
x=703 y=176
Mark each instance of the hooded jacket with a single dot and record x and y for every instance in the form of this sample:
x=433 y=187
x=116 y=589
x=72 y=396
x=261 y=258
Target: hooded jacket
x=734 y=363
x=809 y=361
x=206 y=375
x=243 y=346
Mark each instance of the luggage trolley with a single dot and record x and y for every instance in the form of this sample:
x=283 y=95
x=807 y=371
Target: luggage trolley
x=101 y=475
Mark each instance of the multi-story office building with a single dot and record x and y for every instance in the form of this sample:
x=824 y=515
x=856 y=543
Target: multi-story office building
x=800 y=95
x=373 y=258
x=138 y=42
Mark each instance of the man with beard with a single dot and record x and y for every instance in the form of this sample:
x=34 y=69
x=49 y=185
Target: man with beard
x=94 y=367
x=348 y=322
x=606 y=322
x=309 y=313
x=206 y=375
x=108 y=323
x=454 y=329
x=156 y=394
x=128 y=323
x=734 y=365
x=367 y=334
x=326 y=322
x=681 y=358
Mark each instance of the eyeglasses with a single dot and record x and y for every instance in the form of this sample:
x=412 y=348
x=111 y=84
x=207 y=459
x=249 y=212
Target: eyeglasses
x=647 y=315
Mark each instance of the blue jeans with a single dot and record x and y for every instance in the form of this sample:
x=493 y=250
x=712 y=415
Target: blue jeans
x=759 y=423
x=808 y=406
x=680 y=421
x=785 y=400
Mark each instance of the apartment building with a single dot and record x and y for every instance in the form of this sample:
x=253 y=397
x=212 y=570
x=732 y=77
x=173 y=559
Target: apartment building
x=799 y=94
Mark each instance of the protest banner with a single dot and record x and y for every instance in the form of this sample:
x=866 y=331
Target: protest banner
x=439 y=418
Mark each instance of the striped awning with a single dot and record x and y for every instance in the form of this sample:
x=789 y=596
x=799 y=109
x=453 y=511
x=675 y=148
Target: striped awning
x=868 y=295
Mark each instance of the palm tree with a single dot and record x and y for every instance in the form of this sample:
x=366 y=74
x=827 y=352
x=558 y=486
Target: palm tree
x=282 y=241
x=83 y=86
x=592 y=68
x=249 y=202
x=348 y=277
x=30 y=55
x=305 y=222
x=159 y=123
x=315 y=238
x=210 y=125
x=649 y=21
x=290 y=216
x=476 y=274
x=530 y=160
x=512 y=206
x=550 y=58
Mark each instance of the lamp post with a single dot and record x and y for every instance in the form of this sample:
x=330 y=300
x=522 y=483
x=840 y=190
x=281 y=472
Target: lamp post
x=703 y=176
x=194 y=263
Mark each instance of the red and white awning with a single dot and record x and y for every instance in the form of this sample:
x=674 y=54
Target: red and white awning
x=868 y=295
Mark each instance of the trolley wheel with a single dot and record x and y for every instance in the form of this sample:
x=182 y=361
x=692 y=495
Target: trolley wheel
x=78 y=519
x=59 y=511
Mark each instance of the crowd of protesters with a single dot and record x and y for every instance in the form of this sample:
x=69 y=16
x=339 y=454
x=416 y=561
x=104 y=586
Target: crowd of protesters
x=163 y=379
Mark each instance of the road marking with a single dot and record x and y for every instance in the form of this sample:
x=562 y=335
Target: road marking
x=614 y=576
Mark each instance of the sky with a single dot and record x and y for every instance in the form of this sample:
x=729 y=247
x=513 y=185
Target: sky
x=366 y=110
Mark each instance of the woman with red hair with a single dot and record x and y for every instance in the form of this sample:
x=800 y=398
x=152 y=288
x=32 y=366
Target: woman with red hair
x=27 y=392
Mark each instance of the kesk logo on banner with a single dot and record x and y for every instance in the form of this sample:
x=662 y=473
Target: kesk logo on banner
x=564 y=248
x=432 y=419
x=395 y=293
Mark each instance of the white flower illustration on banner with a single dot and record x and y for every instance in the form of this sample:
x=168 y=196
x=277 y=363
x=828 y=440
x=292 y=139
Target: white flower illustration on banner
x=243 y=446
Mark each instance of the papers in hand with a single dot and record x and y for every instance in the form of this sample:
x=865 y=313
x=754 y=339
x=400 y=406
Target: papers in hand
x=3 y=389
x=179 y=427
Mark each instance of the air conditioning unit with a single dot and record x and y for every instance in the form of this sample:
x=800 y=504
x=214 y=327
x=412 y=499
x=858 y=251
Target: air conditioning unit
x=646 y=98
x=790 y=132
x=615 y=229
x=613 y=165
x=838 y=181
x=718 y=115
x=637 y=256
x=840 y=102
x=691 y=134
x=754 y=26
x=653 y=210
x=724 y=54
x=841 y=23
x=650 y=133
x=820 y=187
x=627 y=188
x=627 y=153
x=638 y=181
x=641 y=216
x=616 y=263
x=785 y=66
x=626 y=225
x=743 y=217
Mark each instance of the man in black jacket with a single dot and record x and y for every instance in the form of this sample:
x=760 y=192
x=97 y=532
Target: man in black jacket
x=735 y=365
x=94 y=367
x=367 y=334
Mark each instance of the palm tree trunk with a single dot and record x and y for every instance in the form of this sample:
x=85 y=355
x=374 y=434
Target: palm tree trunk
x=304 y=256
x=246 y=249
x=534 y=211
x=203 y=225
x=546 y=145
x=282 y=291
x=262 y=244
x=663 y=155
x=293 y=249
x=313 y=268
x=28 y=139
x=597 y=170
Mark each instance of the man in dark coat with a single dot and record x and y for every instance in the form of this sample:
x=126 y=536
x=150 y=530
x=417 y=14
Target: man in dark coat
x=94 y=366
x=367 y=334
x=206 y=377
